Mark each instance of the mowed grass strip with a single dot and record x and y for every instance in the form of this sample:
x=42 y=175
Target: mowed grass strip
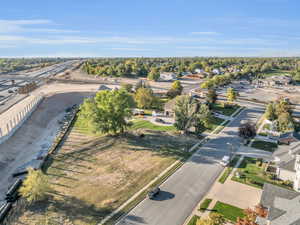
x=92 y=179
x=205 y=204
x=193 y=220
x=230 y=212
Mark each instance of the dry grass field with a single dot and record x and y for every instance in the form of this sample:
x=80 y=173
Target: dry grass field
x=91 y=175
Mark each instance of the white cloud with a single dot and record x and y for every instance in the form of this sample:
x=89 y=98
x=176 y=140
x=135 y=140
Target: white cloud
x=21 y=26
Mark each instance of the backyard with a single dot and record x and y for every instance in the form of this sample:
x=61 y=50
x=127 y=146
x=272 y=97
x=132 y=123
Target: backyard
x=252 y=172
x=93 y=175
x=145 y=124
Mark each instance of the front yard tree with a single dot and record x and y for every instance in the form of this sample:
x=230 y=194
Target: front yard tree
x=271 y=112
x=247 y=130
x=175 y=90
x=285 y=122
x=154 y=74
x=36 y=186
x=204 y=117
x=145 y=98
x=231 y=94
x=108 y=111
x=211 y=96
x=185 y=112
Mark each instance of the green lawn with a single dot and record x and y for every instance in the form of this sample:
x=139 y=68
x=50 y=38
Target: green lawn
x=276 y=73
x=252 y=172
x=264 y=145
x=204 y=205
x=227 y=111
x=230 y=212
x=211 y=127
x=193 y=220
x=137 y=124
x=228 y=170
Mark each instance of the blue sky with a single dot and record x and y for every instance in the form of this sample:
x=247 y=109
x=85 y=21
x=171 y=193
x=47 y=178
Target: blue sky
x=96 y=28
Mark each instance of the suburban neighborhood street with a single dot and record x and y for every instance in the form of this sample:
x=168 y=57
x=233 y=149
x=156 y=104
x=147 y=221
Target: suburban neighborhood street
x=183 y=190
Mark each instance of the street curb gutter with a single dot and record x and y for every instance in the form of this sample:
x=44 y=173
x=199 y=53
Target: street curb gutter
x=107 y=218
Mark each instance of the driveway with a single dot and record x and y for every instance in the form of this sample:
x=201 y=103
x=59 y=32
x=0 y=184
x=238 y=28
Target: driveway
x=192 y=181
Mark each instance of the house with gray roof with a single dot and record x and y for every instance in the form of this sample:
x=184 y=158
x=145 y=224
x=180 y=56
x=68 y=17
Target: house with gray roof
x=282 y=206
x=287 y=163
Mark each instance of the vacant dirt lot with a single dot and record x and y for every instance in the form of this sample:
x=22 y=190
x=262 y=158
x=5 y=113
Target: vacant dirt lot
x=39 y=130
x=92 y=176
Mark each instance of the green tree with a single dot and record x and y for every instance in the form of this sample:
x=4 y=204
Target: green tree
x=36 y=186
x=128 y=87
x=247 y=130
x=154 y=74
x=285 y=122
x=185 y=112
x=271 y=112
x=283 y=106
x=203 y=117
x=211 y=96
x=145 y=98
x=175 y=90
x=108 y=111
x=231 y=95
x=176 y=85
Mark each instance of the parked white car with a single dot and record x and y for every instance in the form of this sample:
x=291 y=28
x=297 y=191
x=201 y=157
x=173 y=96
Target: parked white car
x=225 y=160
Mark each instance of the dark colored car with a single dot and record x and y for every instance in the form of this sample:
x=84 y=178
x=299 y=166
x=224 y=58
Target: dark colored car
x=158 y=120
x=153 y=193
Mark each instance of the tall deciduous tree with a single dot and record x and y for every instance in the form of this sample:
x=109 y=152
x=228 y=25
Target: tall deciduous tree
x=154 y=74
x=231 y=94
x=36 y=186
x=108 y=111
x=247 y=130
x=271 y=112
x=211 y=96
x=175 y=90
x=145 y=98
x=185 y=112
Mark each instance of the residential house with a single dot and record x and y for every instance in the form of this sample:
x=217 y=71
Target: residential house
x=103 y=87
x=169 y=107
x=287 y=164
x=275 y=81
x=167 y=76
x=216 y=71
x=289 y=137
x=199 y=71
x=282 y=206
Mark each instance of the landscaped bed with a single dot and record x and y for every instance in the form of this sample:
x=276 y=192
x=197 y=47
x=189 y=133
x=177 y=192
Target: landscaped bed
x=264 y=145
x=228 y=211
x=92 y=176
x=252 y=172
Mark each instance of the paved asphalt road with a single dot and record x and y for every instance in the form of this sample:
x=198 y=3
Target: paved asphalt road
x=184 y=189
